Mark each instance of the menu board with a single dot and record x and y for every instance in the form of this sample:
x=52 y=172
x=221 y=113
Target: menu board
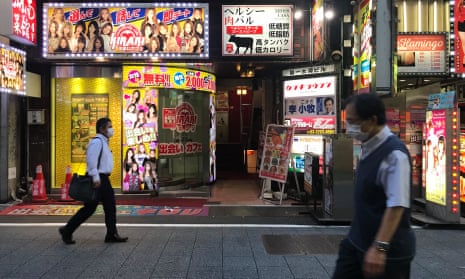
x=276 y=152
x=257 y=30
x=421 y=53
x=86 y=109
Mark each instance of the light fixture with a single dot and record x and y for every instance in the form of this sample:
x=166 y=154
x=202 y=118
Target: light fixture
x=329 y=14
x=241 y=91
x=298 y=14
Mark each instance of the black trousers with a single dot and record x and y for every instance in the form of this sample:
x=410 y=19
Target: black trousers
x=106 y=195
x=349 y=264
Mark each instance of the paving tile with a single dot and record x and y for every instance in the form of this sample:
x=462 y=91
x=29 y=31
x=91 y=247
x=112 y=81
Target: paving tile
x=239 y=273
x=275 y=273
x=205 y=273
x=207 y=257
x=238 y=262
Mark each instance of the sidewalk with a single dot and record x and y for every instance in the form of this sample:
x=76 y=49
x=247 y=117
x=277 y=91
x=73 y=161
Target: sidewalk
x=203 y=251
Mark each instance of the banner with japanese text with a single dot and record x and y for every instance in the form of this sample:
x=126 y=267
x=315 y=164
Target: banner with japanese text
x=276 y=152
x=168 y=77
x=310 y=104
x=129 y=30
x=257 y=30
x=363 y=47
x=12 y=70
x=24 y=19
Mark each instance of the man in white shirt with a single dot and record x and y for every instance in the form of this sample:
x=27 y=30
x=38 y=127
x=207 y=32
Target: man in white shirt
x=99 y=166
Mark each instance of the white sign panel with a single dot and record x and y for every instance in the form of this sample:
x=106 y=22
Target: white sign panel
x=257 y=30
x=310 y=87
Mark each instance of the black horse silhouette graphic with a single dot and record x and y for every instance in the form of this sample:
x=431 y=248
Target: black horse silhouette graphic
x=246 y=42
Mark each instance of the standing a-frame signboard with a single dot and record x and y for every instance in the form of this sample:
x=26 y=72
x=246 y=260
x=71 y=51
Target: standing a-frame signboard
x=276 y=155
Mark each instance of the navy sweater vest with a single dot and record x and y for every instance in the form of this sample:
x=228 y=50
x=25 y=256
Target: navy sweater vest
x=370 y=204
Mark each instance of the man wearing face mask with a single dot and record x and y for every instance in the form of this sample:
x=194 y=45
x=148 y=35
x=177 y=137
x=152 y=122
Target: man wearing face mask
x=99 y=165
x=380 y=243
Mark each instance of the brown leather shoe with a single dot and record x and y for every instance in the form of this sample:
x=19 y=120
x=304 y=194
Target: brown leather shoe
x=66 y=236
x=115 y=238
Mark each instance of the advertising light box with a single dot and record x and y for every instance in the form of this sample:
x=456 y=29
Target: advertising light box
x=24 y=20
x=421 y=53
x=12 y=70
x=257 y=30
x=129 y=30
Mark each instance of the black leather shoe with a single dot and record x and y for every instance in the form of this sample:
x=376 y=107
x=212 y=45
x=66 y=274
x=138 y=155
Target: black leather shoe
x=115 y=238
x=66 y=236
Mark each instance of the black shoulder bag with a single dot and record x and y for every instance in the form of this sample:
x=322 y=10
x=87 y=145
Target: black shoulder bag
x=81 y=187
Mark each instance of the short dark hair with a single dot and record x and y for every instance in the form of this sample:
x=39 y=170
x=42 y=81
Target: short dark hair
x=102 y=123
x=368 y=105
x=328 y=99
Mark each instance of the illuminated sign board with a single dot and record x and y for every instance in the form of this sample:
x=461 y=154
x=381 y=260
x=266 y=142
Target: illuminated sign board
x=24 y=20
x=421 y=53
x=310 y=87
x=310 y=104
x=129 y=30
x=12 y=70
x=168 y=77
x=435 y=161
x=257 y=30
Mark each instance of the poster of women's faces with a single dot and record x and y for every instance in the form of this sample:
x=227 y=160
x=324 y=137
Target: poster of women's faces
x=435 y=152
x=140 y=139
x=180 y=28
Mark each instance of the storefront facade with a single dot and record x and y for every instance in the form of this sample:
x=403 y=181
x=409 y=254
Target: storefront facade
x=162 y=129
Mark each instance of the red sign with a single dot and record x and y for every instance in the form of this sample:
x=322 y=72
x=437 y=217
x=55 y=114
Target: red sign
x=319 y=125
x=169 y=118
x=24 y=19
x=174 y=148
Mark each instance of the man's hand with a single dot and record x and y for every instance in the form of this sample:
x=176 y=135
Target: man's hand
x=97 y=184
x=374 y=262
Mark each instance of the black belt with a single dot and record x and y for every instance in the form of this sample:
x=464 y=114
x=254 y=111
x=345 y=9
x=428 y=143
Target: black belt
x=104 y=174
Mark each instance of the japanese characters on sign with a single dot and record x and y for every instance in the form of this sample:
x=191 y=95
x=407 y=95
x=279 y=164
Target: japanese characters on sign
x=363 y=48
x=12 y=70
x=168 y=77
x=129 y=30
x=310 y=104
x=421 y=53
x=257 y=30
x=24 y=20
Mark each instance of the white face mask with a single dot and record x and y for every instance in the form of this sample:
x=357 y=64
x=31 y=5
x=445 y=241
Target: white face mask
x=355 y=132
x=110 y=132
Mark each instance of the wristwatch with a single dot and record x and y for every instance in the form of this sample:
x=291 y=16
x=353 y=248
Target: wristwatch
x=382 y=246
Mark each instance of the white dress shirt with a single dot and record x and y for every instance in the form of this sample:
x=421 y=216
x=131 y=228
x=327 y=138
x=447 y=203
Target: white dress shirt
x=97 y=144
